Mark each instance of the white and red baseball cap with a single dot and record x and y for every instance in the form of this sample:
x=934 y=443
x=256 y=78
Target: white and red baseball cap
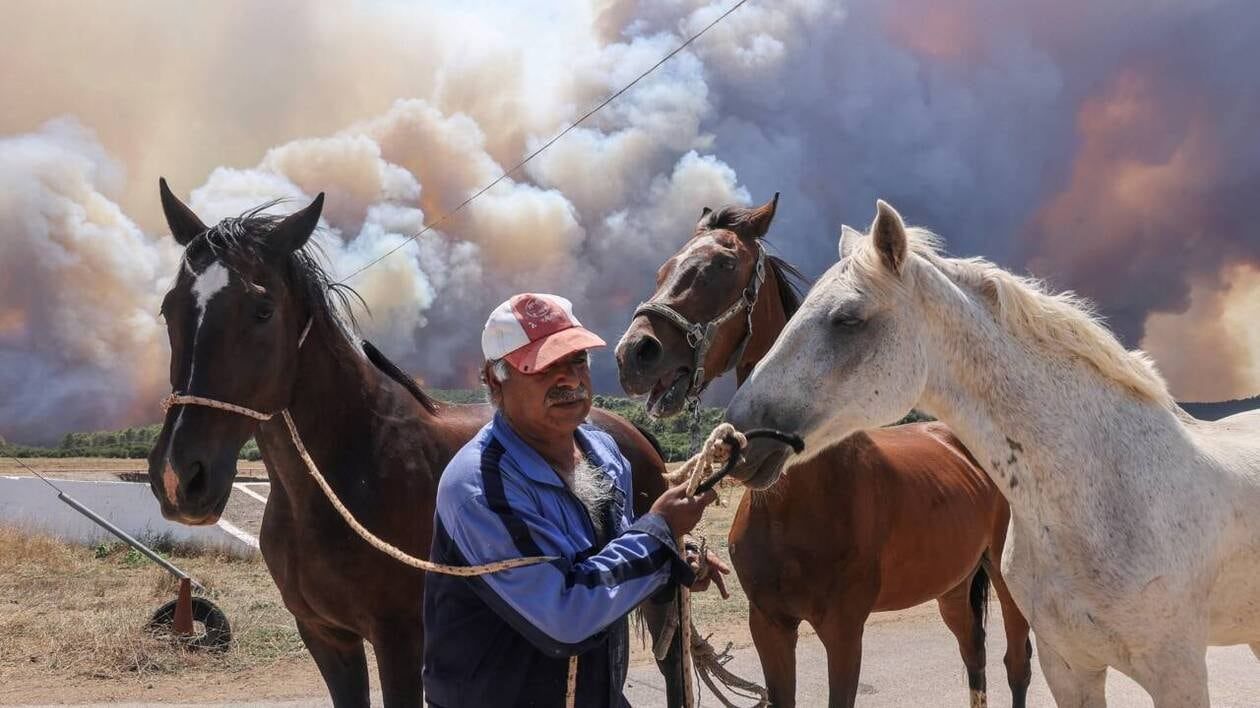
x=533 y=331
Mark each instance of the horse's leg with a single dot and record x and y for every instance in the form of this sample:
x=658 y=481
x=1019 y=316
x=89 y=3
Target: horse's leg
x=1175 y=674
x=775 y=639
x=1072 y=685
x=399 y=651
x=841 y=633
x=1018 y=658
x=341 y=661
x=965 y=619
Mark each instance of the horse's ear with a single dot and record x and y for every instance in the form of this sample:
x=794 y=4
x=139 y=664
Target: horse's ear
x=848 y=240
x=184 y=224
x=292 y=233
x=703 y=223
x=759 y=220
x=889 y=233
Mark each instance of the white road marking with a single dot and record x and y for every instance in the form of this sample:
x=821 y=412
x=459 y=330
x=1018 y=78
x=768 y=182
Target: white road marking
x=244 y=537
x=241 y=486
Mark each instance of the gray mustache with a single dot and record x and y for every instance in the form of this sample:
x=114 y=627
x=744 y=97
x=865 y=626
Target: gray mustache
x=567 y=395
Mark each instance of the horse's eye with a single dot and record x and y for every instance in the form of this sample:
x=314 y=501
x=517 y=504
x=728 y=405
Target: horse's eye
x=264 y=312
x=727 y=264
x=847 y=321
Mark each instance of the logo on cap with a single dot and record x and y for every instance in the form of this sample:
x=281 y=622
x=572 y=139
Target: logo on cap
x=537 y=312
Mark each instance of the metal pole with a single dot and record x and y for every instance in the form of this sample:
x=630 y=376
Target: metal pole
x=74 y=504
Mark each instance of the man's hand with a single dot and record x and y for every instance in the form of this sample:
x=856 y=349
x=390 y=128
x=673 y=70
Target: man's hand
x=682 y=512
x=711 y=569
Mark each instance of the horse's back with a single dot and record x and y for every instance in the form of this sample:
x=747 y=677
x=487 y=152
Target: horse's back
x=903 y=511
x=1233 y=443
x=927 y=474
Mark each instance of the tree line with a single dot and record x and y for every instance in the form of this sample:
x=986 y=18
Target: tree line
x=674 y=434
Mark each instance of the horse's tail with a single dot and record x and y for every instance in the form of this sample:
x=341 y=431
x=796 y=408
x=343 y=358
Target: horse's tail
x=979 y=596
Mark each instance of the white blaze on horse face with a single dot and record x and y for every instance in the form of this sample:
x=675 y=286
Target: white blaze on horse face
x=210 y=282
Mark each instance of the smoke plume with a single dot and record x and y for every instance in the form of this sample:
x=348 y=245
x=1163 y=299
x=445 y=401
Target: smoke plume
x=1108 y=147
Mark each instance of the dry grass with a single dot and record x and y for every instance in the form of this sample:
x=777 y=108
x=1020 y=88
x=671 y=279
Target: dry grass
x=72 y=624
x=75 y=616
x=75 y=467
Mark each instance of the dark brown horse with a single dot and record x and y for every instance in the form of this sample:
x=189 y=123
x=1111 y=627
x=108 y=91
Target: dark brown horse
x=884 y=520
x=254 y=321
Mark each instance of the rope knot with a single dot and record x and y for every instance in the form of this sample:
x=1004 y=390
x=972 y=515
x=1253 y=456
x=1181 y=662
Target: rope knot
x=717 y=449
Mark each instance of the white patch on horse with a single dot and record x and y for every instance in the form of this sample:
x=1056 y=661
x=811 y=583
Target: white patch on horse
x=210 y=282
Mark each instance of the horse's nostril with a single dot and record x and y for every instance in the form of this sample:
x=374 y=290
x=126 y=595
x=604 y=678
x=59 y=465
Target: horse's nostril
x=195 y=486
x=648 y=351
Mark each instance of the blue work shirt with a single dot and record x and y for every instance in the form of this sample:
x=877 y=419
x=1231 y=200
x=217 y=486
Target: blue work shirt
x=504 y=639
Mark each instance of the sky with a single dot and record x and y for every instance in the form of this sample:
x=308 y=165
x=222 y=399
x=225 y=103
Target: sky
x=1108 y=148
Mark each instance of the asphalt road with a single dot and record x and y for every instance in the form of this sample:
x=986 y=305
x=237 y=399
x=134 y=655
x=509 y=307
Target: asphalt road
x=911 y=659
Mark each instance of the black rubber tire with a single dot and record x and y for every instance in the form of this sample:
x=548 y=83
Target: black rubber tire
x=217 y=635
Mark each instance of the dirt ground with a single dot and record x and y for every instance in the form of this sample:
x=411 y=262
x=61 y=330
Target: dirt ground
x=72 y=621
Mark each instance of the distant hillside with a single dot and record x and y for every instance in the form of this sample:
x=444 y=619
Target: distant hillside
x=133 y=443
x=1221 y=409
x=137 y=442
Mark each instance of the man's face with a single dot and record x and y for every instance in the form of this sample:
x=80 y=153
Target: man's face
x=551 y=402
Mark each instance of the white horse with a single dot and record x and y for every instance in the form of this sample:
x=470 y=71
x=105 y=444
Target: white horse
x=1135 y=530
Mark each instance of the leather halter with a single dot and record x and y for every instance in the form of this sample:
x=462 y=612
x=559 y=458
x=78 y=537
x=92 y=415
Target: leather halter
x=700 y=336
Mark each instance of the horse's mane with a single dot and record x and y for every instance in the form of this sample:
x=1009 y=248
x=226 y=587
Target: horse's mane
x=1028 y=309
x=789 y=280
x=731 y=217
x=390 y=369
x=244 y=241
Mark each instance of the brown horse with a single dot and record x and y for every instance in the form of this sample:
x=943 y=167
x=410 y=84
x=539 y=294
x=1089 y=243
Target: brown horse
x=884 y=520
x=254 y=321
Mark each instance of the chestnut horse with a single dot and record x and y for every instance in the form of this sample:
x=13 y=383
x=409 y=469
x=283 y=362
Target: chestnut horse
x=254 y=321
x=884 y=520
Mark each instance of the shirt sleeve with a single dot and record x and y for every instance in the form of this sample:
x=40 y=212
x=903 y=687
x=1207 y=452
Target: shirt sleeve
x=564 y=602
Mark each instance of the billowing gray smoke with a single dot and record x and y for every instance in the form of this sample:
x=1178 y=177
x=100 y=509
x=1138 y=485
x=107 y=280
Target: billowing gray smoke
x=1105 y=146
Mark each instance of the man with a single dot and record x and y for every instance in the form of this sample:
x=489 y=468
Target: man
x=539 y=481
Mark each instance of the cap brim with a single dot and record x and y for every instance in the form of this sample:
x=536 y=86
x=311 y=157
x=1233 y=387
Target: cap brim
x=538 y=355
